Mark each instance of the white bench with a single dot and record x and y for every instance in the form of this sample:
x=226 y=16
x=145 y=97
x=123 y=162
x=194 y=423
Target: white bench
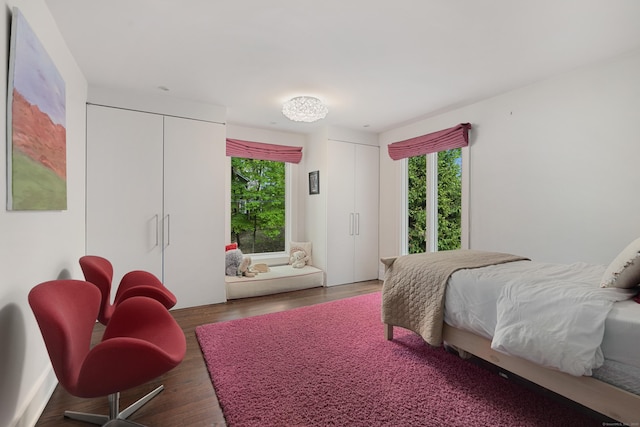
x=281 y=278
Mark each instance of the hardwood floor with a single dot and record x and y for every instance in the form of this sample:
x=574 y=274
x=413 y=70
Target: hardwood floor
x=189 y=398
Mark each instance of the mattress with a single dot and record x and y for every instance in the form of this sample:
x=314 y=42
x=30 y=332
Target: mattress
x=623 y=376
x=281 y=278
x=470 y=304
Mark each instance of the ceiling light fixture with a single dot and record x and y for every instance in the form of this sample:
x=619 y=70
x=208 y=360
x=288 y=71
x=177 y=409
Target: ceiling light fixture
x=304 y=109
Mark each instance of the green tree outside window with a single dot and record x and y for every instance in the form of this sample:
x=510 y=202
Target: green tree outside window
x=449 y=193
x=258 y=205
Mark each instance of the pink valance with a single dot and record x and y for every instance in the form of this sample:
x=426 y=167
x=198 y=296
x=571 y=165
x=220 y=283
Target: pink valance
x=446 y=139
x=263 y=151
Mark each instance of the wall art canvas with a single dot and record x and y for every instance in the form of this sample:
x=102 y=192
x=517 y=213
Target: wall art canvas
x=36 y=124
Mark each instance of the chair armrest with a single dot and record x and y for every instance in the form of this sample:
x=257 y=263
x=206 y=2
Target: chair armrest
x=143 y=283
x=162 y=295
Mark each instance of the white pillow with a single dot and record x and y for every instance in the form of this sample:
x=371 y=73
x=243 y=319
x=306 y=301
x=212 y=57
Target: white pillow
x=624 y=270
x=300 y=246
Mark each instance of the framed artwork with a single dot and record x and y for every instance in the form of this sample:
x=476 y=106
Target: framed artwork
x=314 y=182
x=36 y=124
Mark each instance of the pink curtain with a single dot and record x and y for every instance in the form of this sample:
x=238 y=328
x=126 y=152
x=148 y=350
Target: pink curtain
x=262 y=151
x=446 y=139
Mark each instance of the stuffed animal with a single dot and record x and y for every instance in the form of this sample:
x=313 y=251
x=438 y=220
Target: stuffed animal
x=298 y=259
x=236 y=264
x=233 y=259
x=260 y=268
x=245 y=267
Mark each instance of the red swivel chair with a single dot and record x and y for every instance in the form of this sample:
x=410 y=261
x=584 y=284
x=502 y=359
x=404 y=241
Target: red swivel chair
x=141 y=342
x=99 y=271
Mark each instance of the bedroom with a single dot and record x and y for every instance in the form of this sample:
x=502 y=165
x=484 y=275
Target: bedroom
x=552 y=171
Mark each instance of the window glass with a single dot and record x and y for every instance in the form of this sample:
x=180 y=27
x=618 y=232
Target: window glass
x=258 y=205
x=417 y=204
x=434 y=201
x=449 y=199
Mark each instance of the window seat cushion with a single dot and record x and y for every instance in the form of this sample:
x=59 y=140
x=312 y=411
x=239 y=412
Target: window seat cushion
x=281 y=278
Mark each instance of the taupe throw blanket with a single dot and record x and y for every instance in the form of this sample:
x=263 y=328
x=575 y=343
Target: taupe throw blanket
x=414 y=287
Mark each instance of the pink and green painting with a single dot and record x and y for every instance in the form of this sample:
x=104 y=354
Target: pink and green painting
x=36 y=140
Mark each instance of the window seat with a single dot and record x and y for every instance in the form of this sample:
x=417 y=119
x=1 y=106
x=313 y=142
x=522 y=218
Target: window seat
x=281 y=278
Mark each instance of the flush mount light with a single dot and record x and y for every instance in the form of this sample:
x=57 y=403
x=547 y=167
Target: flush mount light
x=304 y=109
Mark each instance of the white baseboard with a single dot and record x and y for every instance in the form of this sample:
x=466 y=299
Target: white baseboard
x=36 y=400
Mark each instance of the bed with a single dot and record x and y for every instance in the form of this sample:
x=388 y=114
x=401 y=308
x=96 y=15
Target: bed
x=485 y=303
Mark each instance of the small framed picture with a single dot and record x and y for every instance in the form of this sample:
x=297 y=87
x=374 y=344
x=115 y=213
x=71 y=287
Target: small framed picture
x=314 y=182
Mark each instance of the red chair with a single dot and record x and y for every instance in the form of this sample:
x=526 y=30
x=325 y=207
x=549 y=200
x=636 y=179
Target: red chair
x=141 y=342
x=99 y=271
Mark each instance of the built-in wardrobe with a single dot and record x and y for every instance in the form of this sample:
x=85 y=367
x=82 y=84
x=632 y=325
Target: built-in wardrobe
x=352 y=212
x=155 y=198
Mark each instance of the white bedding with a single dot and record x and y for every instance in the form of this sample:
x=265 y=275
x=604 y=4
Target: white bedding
x=555 y=323
x=470 y=303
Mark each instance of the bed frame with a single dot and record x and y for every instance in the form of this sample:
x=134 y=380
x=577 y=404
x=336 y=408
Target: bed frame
x=599 y=396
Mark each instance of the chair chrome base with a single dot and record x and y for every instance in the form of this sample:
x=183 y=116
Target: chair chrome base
x=122 y=423
x=116 y=418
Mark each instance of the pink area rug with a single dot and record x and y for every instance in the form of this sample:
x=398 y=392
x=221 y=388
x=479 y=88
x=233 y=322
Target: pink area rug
x=329 y=365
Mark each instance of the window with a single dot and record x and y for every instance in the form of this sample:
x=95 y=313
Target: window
x=434 y=202
x=258 y=205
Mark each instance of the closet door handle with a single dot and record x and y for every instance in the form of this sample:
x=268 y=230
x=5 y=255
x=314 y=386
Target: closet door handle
x=167 y=219
x=358 y=224
x=157 y=217
x=351 y=224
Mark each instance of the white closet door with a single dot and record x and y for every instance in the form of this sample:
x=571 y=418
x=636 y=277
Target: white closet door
x=124 y=189
x=366 y=207
x=193 y=222
x=340 y=212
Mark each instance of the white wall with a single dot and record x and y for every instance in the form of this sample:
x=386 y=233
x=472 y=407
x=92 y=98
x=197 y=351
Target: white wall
x=553 y=166
x=315 y=159
x=37 y=246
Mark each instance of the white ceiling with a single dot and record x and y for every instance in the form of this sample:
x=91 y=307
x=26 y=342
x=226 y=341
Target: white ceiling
x=376 y=63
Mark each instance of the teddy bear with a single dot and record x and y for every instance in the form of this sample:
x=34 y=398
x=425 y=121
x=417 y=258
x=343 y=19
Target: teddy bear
x=298 y=259
x=236 y=264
